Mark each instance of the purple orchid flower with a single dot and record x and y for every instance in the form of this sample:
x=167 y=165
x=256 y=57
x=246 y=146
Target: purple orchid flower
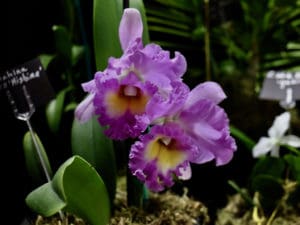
x=119 y=95
x=189 y=127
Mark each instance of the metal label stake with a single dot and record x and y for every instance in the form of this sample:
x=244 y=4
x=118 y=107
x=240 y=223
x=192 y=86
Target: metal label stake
x=25 y=116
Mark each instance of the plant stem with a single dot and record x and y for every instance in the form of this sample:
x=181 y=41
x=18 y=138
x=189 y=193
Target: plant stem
x=135 y=188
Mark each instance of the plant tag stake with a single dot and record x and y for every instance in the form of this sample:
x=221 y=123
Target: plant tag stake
x=282 y=86
x=26 y=87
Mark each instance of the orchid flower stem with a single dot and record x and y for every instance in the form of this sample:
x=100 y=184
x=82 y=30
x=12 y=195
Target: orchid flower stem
x=135 y=188
x=135 y=191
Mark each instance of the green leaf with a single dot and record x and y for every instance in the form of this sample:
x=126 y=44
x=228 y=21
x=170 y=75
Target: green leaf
x=77 y=53
x=294 y=165
x=54 y=111
x=106 y=18
x=33 y=163
x=270 y=189
x=76 y=188
x=45 y=201
x=268 y=166
x=63 y=43
x=88 y=141
x=46 y=59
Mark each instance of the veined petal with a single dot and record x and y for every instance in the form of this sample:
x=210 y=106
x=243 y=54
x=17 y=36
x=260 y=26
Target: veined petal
x=131 y=27
x=263 y=146
x=85 y=110
x=159 y=155
x=207 y=90
x=291 y=140
x=280 y=125
x=208 y=125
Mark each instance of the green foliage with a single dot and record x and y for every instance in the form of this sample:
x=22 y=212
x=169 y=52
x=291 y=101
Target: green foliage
x=242 y=136
x=269 y=166
x=250 y=37
x=54 y=111
x=106 y=17
x=270 y=189
x=89 y=142
x=33 y=161
x=76 y=188
x=294 y=166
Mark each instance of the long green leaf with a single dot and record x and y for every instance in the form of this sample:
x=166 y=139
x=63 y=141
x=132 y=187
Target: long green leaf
x=63 y=43
x=32 y=160
x=106 y=18
x=89 y=142
x=55 y=109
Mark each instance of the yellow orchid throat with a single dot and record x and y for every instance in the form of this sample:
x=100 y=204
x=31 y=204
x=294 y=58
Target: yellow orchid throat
x=128 y=98
x=165 y=151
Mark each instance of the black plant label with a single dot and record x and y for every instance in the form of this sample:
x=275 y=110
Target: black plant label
x=28 y=79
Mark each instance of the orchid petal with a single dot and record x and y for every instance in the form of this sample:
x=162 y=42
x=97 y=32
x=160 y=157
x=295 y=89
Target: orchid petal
x=263 y=146
x=291 y=140
x=89 y=86
x=280 y=125
x=207 y=90
x=131 y=27
x=85 y=110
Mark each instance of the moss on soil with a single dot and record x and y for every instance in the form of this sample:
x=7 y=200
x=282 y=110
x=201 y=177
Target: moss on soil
x=161 y=209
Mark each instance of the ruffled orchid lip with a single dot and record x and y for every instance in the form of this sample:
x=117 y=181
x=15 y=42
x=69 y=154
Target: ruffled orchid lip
x=160 y=155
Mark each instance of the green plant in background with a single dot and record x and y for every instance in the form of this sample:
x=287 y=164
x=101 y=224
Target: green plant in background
x=247 y=38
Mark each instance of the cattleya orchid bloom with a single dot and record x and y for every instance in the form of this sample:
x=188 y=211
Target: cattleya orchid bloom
x=276 y=137
x=120 y=93
x=189 y=128
x=141 y=95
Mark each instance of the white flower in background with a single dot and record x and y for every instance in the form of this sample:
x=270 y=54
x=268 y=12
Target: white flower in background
x=276 y=137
